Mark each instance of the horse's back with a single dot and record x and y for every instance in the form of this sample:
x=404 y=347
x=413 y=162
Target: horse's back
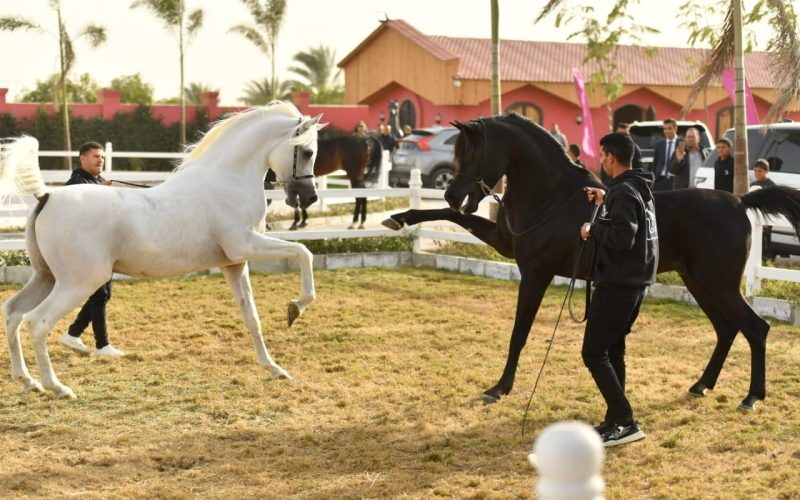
x=700 y=228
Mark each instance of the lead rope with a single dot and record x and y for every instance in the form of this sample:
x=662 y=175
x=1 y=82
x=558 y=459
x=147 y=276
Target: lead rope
x=567 y=297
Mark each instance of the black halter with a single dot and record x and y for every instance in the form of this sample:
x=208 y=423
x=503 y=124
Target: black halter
x=271 y=177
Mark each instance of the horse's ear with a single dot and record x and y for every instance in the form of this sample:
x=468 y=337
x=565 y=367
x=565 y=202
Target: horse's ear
x=311 y=122
x=457 y=124
x=321 y=126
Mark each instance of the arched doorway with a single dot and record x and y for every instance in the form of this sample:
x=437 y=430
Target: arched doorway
x=408 y=114
x=628 y=114
x=528 y=110
x=724 y=120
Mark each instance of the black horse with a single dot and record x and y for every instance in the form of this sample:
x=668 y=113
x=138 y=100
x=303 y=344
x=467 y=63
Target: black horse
x=359 y=157
x=704 y=235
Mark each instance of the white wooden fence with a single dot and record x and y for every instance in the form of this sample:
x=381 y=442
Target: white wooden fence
x=754 y=271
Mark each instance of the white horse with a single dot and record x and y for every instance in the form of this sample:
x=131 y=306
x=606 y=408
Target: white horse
x=207 y=214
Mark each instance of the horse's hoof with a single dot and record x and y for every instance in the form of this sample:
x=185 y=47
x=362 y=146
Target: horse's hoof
x=280 y=373
x=392 y=224
x=64 y=392
x=32 y=386
x=293 y=227
x=489 y=398
x=302 y=225
x=698 y=390
x=748 y=404
x=293 y=313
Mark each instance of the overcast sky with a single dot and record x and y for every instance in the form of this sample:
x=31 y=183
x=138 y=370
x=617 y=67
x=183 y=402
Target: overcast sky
x=137 y=41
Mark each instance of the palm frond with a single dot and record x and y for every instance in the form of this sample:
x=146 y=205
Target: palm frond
x=547 y=9
x=721 y=57
x=784 y=48
x=96 y=34
x=195 y=22
x=254 y=6
x=69 y=52
x=169 y=12
x=252 y=35
x=13 y=23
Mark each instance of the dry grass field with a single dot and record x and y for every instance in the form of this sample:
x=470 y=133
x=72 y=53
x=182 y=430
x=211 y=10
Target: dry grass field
x=388 y=367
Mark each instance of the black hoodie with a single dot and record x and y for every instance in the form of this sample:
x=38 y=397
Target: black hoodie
x=625 y=233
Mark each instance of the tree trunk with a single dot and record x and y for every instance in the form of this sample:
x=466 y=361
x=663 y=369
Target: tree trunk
x=741 y=182
x=64 y=108
x=496 y=104
x=274 y=81
x=183 y=92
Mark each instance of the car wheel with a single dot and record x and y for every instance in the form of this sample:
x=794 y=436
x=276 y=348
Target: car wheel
x=441 y=178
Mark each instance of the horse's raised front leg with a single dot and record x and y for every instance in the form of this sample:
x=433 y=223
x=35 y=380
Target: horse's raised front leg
x=531 y=291
x=238 y=279
x=483 y=229
x=14 y=308
x=256 y=246
x=62 y=300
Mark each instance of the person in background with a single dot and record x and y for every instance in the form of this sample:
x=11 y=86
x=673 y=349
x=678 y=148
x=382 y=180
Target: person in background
x=662 y=155
x=723 y=167
x=574 y=153
x=407 y=130
x=636 y=162
x=761 y=171
x=555 y=131
x=388 y=142
x=92 y=158
x=361 y=129
x=688 y=158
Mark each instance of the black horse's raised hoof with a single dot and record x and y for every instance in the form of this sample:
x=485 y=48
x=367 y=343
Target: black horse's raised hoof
x=748 y=404
x=392 y=224
x=698 y=390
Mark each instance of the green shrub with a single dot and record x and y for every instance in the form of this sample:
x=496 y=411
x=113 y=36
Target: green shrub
x=14 y=258
x=361 y=245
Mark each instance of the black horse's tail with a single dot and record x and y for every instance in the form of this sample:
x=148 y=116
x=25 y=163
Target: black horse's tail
x=777 y=200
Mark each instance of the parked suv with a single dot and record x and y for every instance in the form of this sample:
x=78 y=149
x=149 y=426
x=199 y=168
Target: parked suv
x=779 y=144
x=647 y=134
x=430 y=150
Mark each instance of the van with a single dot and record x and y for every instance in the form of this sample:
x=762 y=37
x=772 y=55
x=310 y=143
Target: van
x=779 y=144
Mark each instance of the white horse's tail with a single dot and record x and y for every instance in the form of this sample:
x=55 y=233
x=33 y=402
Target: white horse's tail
x=19 y=168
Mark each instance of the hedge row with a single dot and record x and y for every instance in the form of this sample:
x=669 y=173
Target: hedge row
x=135 y=131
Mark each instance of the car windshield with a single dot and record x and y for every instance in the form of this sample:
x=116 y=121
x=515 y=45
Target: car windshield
x=647 y=136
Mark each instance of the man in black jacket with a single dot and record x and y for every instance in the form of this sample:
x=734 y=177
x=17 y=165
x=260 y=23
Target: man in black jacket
x=723 y=167
x=626 y=260
x=92 y=157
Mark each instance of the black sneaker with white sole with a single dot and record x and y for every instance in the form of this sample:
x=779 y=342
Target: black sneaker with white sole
x=605 y=427
x=623 y=434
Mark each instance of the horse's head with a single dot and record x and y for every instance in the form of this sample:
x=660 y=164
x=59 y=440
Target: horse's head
x=479 y=164
x=293 y=162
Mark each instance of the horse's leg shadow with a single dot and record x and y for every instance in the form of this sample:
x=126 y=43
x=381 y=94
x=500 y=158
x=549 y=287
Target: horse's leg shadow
x=31 y=295
x=238 y=279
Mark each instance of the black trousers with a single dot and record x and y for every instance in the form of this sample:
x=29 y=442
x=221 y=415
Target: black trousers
x=612 y=313
x=94 y=312
x=662 y=183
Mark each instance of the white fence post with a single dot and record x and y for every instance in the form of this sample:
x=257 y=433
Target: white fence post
x=415 y=197
x=322 y=183
x=569 y=457
x=386 y=166
x=752 y=281
x=109 y=157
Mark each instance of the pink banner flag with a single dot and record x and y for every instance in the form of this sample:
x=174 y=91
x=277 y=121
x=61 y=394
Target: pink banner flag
x=588 y=145
x=728 y=82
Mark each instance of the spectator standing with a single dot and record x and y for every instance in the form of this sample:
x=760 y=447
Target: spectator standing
x=556 y=133
x=574 y=153
x=636 y=162
x=663 y=154
x=761 y=171
x=388 y=142
x=92 y=158
x=406 y=130
x=687 y=160
x=361 y=129
x=723 y=167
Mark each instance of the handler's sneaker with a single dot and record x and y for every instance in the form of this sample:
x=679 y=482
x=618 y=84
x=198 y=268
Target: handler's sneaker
x=109 y=351
x=74 y=343
x=623 y=434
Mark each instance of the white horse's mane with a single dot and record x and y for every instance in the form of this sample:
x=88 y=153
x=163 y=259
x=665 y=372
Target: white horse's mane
x=195 y=151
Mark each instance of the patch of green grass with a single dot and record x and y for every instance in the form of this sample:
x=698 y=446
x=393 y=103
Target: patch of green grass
x=14 y=258
x=361 y=245
x=484 y=252
x=384 y=205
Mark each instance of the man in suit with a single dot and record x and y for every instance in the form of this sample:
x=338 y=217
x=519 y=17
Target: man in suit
x=662 y=156
x=687 y=160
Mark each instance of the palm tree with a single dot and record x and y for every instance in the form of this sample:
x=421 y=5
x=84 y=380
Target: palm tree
x=182 y=24
x=317 y=66
x=259 y=92
x=96 y=35
x=496 y=105
x=264 y=35
x=784 y=49
x=194 y=92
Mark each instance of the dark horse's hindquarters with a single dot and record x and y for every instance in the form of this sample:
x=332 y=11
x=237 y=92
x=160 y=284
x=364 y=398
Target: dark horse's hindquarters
x=704 y=235
x=353 y=155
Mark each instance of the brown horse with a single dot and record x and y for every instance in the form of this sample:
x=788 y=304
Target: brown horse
x=357 y=156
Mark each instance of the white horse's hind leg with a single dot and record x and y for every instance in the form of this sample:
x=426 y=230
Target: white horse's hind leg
x=14 y=308
x=42 y=319
x=238 y=279
x=256 y=246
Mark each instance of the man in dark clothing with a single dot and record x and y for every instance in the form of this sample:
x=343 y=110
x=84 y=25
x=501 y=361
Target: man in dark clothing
x=626 y=260
x=761 y=171
x=687 y=160
x=92 y=158
x=388 y=142
x=636 y=162
x=574 y=153
x=662 y=155
x=723 y=167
